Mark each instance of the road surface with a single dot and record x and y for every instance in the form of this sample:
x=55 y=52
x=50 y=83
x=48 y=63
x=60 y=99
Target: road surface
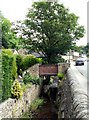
x=84 y=70
x=81 y=73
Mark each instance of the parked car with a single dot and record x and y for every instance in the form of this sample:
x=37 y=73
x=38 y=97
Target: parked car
x=79 y=62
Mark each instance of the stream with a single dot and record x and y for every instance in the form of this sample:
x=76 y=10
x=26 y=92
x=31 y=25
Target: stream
x=48 y=110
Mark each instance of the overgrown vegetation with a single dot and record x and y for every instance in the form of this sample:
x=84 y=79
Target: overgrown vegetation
x=60 y=76
x=33 y=107
x=26 y=61
x=12 y=66
x=30 y=79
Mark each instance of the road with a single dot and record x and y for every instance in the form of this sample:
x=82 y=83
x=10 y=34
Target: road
x=84 y=79
x=83 y=69
x=81 y=73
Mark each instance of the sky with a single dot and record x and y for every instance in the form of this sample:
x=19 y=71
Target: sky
x=17 y=9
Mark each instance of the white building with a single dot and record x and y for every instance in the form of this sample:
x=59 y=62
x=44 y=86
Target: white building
x=72 y=55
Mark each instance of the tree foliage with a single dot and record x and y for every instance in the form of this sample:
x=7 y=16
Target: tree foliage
x=80 y=49
x=17 y=30
x=51 y=28
x=86 y=49
x=9 y=39
x=5 y=31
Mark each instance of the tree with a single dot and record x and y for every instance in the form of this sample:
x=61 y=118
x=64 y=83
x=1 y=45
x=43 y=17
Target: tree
x=9 y=39
x=86 y=49
x=79 y=49
x=17 y=31
x=51 y=28
x=5 y=31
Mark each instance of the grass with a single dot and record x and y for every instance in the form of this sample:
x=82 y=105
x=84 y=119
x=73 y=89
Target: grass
x=33 y=107
x=36 y=104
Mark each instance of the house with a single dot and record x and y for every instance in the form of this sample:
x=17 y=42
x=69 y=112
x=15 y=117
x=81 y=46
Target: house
x=71 y=55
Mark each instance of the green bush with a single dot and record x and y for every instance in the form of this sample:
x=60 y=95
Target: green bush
x=39 y=60
x=7 y=51
x=36 y=80
x=9 y=72
x=29 y=79
x=16 y=90
x=19 y=59
x=28 y=61
x=60 y=76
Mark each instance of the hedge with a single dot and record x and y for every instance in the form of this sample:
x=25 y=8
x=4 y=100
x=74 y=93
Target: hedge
x=1 y=77
x=26 y=61
x=9 y=72
x=13 y=65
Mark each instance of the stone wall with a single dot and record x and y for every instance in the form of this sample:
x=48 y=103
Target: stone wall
x=72 y=100
x=13 y=108
x=63 y=67
x=34 y=70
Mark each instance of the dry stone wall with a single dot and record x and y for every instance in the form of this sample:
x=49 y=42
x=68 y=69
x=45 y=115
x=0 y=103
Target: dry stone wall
x=34 y=70
x=73 y=101
x=13 y=108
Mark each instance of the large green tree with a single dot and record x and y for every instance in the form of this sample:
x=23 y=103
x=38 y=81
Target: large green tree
x=51 y=29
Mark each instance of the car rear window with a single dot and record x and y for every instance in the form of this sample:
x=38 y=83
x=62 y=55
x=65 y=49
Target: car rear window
x=79 y=60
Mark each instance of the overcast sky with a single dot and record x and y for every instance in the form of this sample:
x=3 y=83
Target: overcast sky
x=17 y=9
